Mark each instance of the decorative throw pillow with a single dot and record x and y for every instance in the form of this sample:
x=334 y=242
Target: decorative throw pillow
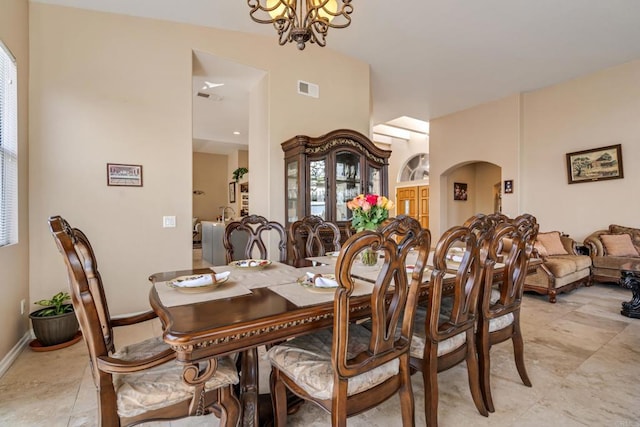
x=542 y=251
x=633 y=232
x=618 y=245
x=552 y=243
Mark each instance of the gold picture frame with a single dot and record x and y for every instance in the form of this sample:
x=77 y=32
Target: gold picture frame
x=596 y=164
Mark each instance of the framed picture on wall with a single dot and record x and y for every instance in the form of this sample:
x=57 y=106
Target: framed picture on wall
x=232 y=192
x=124 y=175
x=596 y=164
x=459 y=191
x=508 y=186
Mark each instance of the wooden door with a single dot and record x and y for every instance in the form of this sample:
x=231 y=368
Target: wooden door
x=407 y=201
x=423 y=205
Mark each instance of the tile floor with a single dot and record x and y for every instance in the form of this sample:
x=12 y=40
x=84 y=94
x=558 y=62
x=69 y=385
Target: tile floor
x=583 y=358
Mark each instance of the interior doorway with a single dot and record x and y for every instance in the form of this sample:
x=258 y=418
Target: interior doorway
x=478 y=179
x=414 y=202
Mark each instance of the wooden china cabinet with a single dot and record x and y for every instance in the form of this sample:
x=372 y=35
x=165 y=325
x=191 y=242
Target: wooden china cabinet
x=323 y=173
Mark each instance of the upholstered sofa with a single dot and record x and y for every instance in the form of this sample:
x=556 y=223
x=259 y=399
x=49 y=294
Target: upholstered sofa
x=562 y=268
x=610 y=249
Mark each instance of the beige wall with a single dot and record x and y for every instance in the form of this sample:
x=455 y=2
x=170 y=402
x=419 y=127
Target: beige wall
x=211 y=176
x=486 y=133
x=529 y=135
x=593 y=111
x=122 y=93
x=14 y=259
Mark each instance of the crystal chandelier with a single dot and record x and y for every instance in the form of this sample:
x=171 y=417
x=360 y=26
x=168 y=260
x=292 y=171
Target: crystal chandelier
x=302 y=21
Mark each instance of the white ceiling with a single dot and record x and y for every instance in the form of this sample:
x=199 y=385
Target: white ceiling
x=433 y=57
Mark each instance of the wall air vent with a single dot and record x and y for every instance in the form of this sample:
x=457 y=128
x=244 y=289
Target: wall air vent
x=210 y=96
x=308 y=89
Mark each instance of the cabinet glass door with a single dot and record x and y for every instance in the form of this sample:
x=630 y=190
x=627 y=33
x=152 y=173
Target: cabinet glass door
x=318 y=188
x=292 y=191
x=348 y=182
x=373 y=182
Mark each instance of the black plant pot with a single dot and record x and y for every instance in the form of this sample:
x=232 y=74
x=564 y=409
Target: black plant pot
x=53 y=330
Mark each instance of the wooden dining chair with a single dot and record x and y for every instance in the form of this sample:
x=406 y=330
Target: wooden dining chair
x=444 y=337
x=309 y=237
x=258 y=229
x=140 y=382
x=351 y=368
x=499 y=318
x=528 y=227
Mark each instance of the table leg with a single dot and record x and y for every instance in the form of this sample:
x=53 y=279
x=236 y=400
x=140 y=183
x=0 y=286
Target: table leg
x=249 y=387
x=631 y=280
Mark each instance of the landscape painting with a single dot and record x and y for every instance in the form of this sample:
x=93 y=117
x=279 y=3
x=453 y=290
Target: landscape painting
x=595 y=165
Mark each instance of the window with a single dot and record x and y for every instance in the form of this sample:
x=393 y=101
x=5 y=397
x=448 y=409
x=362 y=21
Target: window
x=416 y=168
x=8 y=148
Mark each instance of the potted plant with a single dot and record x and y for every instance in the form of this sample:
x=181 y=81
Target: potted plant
x=56 y=323
x=239 y=173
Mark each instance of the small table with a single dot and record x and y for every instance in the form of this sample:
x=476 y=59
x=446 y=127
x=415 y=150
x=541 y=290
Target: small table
x=630 y=279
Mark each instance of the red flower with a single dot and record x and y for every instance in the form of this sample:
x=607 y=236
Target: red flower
x=372 y=199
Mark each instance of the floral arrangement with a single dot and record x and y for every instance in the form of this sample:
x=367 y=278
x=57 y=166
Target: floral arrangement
x=369 y=211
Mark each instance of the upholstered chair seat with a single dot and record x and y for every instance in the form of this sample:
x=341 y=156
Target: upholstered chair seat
x=500 y=322
x=419 y=334
x=307 y=361
x=158 y=387
x=444 y=347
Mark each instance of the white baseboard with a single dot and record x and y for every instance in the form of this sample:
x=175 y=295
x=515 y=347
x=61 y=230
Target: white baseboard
x=8 y=360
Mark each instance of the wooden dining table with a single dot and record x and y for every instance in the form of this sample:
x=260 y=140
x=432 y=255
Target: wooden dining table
x=254 y=307
x=261 y=307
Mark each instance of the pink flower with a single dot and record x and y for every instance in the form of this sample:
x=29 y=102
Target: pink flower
x=369 y=211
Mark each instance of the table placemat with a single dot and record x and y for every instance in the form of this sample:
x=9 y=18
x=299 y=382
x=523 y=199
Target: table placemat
x=302 y=296
x=171 y=297
x=275 y=274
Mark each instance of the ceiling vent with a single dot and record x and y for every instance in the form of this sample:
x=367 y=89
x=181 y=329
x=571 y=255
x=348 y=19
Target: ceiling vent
x=210 y=96
x=308 y=89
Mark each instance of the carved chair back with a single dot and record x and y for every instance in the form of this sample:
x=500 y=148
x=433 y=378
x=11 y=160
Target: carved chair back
x=393 y=299
x=308 y=237
x=499 y=318
x=451 y=325
x=528 y=227
x=466 y=285
x=87 y=292
x=393 y=302
x=258 y=229
x=511 y=281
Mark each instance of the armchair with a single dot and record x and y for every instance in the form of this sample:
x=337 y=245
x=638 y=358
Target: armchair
x=140 y=382
x=612 y=248
x=562 y=269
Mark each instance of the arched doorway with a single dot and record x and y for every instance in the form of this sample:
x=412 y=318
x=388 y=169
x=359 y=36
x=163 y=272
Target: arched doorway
x=478 y=191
